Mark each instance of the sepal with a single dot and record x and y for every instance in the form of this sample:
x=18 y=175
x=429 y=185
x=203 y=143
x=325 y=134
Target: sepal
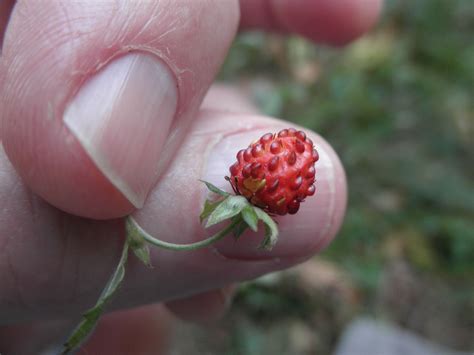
x=209 y=207
x=250 y=217
x=215 y=189
x=228 y=208
x=137 y=243
x=238 y=207
x=271 y=229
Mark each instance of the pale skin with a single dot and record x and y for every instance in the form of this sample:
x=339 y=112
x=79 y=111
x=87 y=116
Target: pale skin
x=53 y=263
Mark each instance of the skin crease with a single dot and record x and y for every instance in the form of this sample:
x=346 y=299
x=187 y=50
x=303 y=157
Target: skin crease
x=65 y=245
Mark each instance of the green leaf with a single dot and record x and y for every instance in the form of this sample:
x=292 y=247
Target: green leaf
x=250 y=217
x=215 y=189
x=229 y=207
x=91 y=317
x=209 y=207
x=137 y=243
x=271 y=229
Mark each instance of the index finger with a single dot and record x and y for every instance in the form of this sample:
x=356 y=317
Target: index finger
x=53 y=264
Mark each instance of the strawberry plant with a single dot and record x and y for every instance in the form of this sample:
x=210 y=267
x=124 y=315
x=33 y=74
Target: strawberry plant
x=271 y=177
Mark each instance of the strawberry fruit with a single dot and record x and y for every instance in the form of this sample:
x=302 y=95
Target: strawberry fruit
x=272 y=176
x=276 y=173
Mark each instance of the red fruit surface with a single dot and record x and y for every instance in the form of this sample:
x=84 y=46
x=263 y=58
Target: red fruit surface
x=276 y=173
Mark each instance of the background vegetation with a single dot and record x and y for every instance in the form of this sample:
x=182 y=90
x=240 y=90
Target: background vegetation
x=398 y=106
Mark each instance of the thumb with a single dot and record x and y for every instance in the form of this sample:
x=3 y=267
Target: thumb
x=97 y=95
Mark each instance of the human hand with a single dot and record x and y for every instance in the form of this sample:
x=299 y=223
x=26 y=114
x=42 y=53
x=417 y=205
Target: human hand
x=102 y=113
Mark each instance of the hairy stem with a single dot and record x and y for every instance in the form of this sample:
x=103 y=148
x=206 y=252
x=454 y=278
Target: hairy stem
x=133 y=227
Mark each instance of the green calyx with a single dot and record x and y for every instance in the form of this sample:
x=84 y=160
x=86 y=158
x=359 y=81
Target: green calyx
x=241 y=215
x=239 y=210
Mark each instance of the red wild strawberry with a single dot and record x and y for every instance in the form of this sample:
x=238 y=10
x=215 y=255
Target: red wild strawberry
x=276 y=173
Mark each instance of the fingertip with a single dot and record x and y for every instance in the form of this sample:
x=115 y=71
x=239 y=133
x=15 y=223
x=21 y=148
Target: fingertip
x=326 y=21
x=338 y=190
x=332 y=22
x=365 y=14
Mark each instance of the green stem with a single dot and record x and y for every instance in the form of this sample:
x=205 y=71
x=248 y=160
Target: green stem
x=91 y=317
x=133 y=227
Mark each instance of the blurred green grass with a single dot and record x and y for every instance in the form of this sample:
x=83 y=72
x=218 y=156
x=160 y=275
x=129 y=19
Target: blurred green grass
x=398 y=107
